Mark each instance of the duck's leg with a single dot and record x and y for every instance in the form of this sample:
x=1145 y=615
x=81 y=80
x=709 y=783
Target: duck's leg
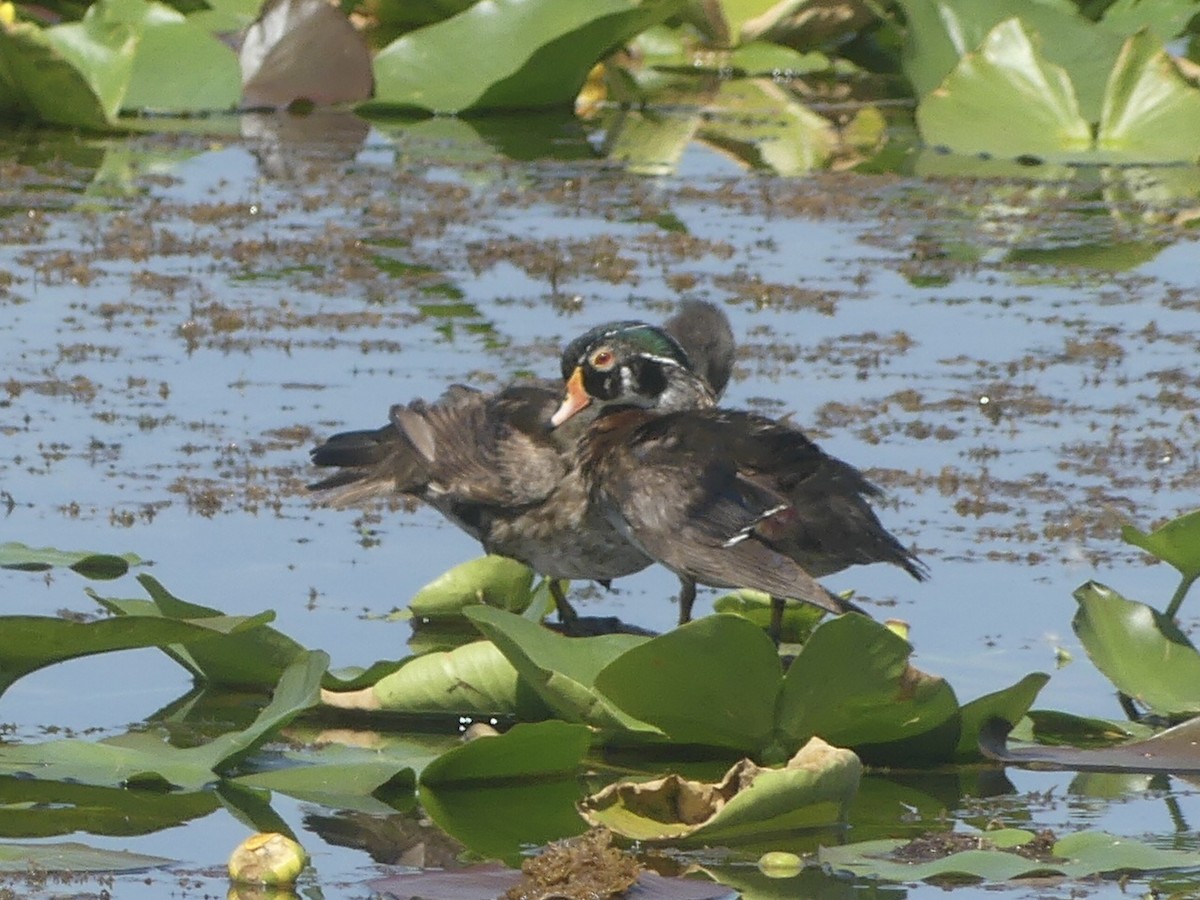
x=566 y=612
x=687 y=597
x=775 y=631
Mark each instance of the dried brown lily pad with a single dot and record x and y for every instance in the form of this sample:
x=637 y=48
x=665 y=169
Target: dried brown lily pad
x=813 y=788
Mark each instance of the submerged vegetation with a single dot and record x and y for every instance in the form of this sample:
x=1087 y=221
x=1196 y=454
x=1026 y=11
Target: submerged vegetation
x=1087 y=82
x=796 y=734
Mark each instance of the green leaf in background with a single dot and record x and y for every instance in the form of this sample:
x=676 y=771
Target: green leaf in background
x=441 y=69
x=714 y=683
x=73 y=74
x=99 y=566
x=852 y=685
x=73 y=858
x=1077 y=855
x=814 y=788
x=761 y=58
x=941 y=32
x=143 y=759
x=494 y=580
x=1164 y=18
x=525 y=752
x=1005 y=99
x=563 y=670
x=1176 y=543
x=1139 y=649
x=29 y=643
x=211 y=80
x=1151 y=112
x=473 y=679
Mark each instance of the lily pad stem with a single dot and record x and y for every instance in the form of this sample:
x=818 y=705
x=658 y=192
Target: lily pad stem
x=1180 y=592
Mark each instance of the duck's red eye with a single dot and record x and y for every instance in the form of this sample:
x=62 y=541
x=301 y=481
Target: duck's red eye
x=602 y=359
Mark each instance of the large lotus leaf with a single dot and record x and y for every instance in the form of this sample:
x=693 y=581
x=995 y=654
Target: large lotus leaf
x=29 y=643
x=852 y=685
x=1151 y=112
x=143 y=759
x=713 y=681
x=1176 y=543
x=526 y=752
x=1005 y=99
x=40 y=809
x=74 y=858
x=474 y=679
x=495 y=580
x=440 y=69
x=1077 y=855
x=100 y=566
x=814 y=788
x=74 y=74
x=1174 y=750
x=941 y=32
x=563 y=670
x=1138 y=649
x=251 y=658
x=1010 y=704
x=210 y=80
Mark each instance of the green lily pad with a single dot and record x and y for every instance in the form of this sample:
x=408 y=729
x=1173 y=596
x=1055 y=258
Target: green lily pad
x=41 y=809
x=852 y=684
x=525 y=752
x=438 y=69
x=1138 y=649
x=696 y=699
x=1164 y=18
x=1010 y=704
x=1176 y=543
x=157 y=81
x=143 y=759
x=563 y=670
x=474 y=679
x=815 y=787
x=363 y=779
x=252 y=658
x=99 y=566
x=29 y=643
x=74 y=858
x=1005 y=99
x=1150 y=111
x=74 y=74
x=941 y=32
x=1076 y=856
x=493 y=580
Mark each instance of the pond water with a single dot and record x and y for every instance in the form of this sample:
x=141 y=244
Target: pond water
x=1012 y=357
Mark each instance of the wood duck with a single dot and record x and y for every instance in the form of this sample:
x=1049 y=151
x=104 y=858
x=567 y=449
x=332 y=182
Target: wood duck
x=493 y=465
x=722 y=497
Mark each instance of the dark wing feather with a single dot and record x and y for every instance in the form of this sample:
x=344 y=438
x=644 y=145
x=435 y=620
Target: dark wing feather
x=695 y=514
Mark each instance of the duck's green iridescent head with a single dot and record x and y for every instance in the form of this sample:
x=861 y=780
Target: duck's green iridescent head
x=628 y=363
